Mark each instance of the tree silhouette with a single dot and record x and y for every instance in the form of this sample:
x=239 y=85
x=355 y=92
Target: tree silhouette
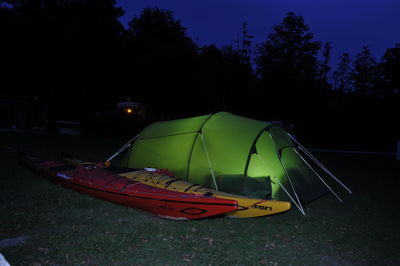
x=73 y=49
x=163 y=59
x=225 y=78
x=156 y=31
x=341 y=77
x=389 y=68
x=324 y=68
x=287 y=63
x=364 y=70
x=63 y=44
x=245 y=45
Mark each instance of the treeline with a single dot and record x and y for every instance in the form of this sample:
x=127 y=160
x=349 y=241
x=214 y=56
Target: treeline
x=78 y=52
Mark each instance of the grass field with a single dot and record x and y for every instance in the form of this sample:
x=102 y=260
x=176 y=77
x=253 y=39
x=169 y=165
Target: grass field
x=63 y=227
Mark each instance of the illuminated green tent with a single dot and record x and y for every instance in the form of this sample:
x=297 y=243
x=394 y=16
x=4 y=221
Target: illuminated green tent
x=229 y=153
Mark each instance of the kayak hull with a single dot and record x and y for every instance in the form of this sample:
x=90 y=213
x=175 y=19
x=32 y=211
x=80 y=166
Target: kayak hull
x=100 y=183
x=247 y=207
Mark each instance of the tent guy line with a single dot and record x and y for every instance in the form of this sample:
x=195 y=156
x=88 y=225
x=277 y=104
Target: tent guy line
x=322 y=180
x=319 y=163
x=127 y=145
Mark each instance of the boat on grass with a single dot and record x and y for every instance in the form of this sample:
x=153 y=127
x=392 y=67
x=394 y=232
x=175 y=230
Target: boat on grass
x=248 y=207
x=99 y=182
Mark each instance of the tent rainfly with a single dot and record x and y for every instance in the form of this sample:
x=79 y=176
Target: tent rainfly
x=234 y=154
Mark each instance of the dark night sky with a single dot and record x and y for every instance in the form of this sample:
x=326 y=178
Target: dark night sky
x=348 y=24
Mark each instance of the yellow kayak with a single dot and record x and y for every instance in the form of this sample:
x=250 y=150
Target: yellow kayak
x=247 y=207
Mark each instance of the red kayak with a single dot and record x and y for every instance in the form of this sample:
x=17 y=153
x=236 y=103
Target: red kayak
x=98 y=182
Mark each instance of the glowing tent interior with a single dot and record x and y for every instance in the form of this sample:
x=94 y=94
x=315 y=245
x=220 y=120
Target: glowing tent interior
x=234 y=154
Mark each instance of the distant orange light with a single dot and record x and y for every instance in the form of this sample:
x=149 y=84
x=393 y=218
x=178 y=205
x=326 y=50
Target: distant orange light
x=129 y=110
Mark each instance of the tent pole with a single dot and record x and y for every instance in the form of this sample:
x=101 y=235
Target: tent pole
x=122 y=148
x=333 y=192
x=209 y=161
x=284 y=189
x=319 y=164
x=287 y=174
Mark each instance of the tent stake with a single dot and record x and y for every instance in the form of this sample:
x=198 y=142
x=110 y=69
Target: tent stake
x=319 y=164
x=209 y=161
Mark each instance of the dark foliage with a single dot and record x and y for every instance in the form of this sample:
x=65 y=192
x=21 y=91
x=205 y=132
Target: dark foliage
x=287 y=66
x=163 y=60
x=78 y=54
